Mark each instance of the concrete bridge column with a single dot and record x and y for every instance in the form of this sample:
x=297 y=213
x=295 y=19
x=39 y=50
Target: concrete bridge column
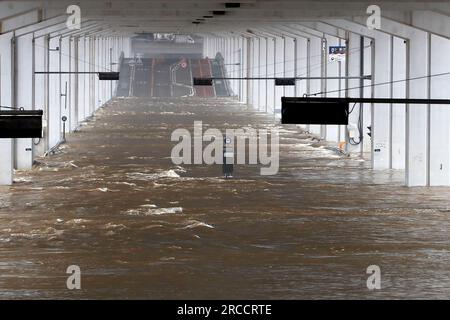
x=315 y=70
x=332 y=69
x=6 y=99
x=270 y=73
x=97 y=83
x=439 y=136
x=279 y=72
x=74 y=84
x=54 y=107
x=289 y=64
x=23 y=97
x=40 y=86
x=255 y=72
x=65 y=82
x=398 y=111
x=263 y=73
x=244 y=68
x=81 y=78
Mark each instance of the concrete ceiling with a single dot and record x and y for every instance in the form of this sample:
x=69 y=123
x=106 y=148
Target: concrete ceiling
x=178 y=15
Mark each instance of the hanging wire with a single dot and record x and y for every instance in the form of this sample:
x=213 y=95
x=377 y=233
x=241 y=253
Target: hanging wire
x=351 y=52
x=384 y=83
x=79 y=59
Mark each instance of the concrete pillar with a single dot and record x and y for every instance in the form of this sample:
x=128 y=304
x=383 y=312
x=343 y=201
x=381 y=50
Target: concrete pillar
x=381 y=113
x=65 y=82
x=23 y=89
x=237 y=65
x=332 y=69
x=398 y=111
x=315 y=70
x=439 y=114
x=367 y=92
x=54 y=112
x=301 y=65
x=263 y=73
x=355 y=68
x=289 y=64
x=417 y=116
x=87 y=77
x=244 y=69
x=81 y=78
x=270 y=73
x=73 y=118
x=97 y=82
x=255 y=72
x=279 y=72
x=6 y=97
x=40 y=86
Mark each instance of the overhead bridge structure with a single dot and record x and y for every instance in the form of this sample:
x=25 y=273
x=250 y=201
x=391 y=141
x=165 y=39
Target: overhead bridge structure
x=341 y=49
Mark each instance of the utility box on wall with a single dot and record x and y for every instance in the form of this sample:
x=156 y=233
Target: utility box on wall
x=307 y=111
x=18 y=124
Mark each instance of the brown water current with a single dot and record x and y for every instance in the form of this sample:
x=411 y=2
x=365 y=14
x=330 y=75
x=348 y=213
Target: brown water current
x=112 y=202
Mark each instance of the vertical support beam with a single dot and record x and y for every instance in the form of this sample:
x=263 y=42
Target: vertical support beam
x=398 y=111
x=87 y=77
x=249 y=70
x=439 y=114
x=65 y=81
x=302 y=45
x=23 y=70
x=6 y=93
x=255 y=72
x=40 y=84
x=270 y=73
x=289 y=63
x=74 y=119
x=279 y=72
x=331 y=132
x=54 y=112
x=81 y=78
x=263 y=73
x=315 y=70
x=244 y=67
x=381 y=113
x=418 y=116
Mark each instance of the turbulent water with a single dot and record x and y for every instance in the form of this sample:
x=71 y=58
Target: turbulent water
x=112 y=202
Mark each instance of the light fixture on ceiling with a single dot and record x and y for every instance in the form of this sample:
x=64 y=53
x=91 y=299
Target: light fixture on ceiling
x=232 y=5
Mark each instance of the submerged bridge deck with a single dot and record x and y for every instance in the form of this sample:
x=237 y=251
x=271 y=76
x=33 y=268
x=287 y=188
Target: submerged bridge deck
x=112 y=202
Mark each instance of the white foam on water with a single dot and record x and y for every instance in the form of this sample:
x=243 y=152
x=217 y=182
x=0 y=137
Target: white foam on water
x=77 y=221
x=198 y=224
x=125 y=183
x=153 y=176
x=154 y=212
x=112 y=226
x=22 y=179
x=149 y=206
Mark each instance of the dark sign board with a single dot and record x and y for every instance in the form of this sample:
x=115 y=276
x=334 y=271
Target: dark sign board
x=21 y=124
x=111 y=76
x=285 y=81
x=308 y=111
x=203 y=81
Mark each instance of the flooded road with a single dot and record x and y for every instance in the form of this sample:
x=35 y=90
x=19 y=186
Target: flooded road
x=113 y=203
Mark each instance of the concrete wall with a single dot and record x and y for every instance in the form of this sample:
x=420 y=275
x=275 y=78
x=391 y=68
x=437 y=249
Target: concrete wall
x=46 y=46
x=412 y=138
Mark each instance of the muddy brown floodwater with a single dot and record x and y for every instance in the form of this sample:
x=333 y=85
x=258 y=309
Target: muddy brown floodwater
x=138 y=226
